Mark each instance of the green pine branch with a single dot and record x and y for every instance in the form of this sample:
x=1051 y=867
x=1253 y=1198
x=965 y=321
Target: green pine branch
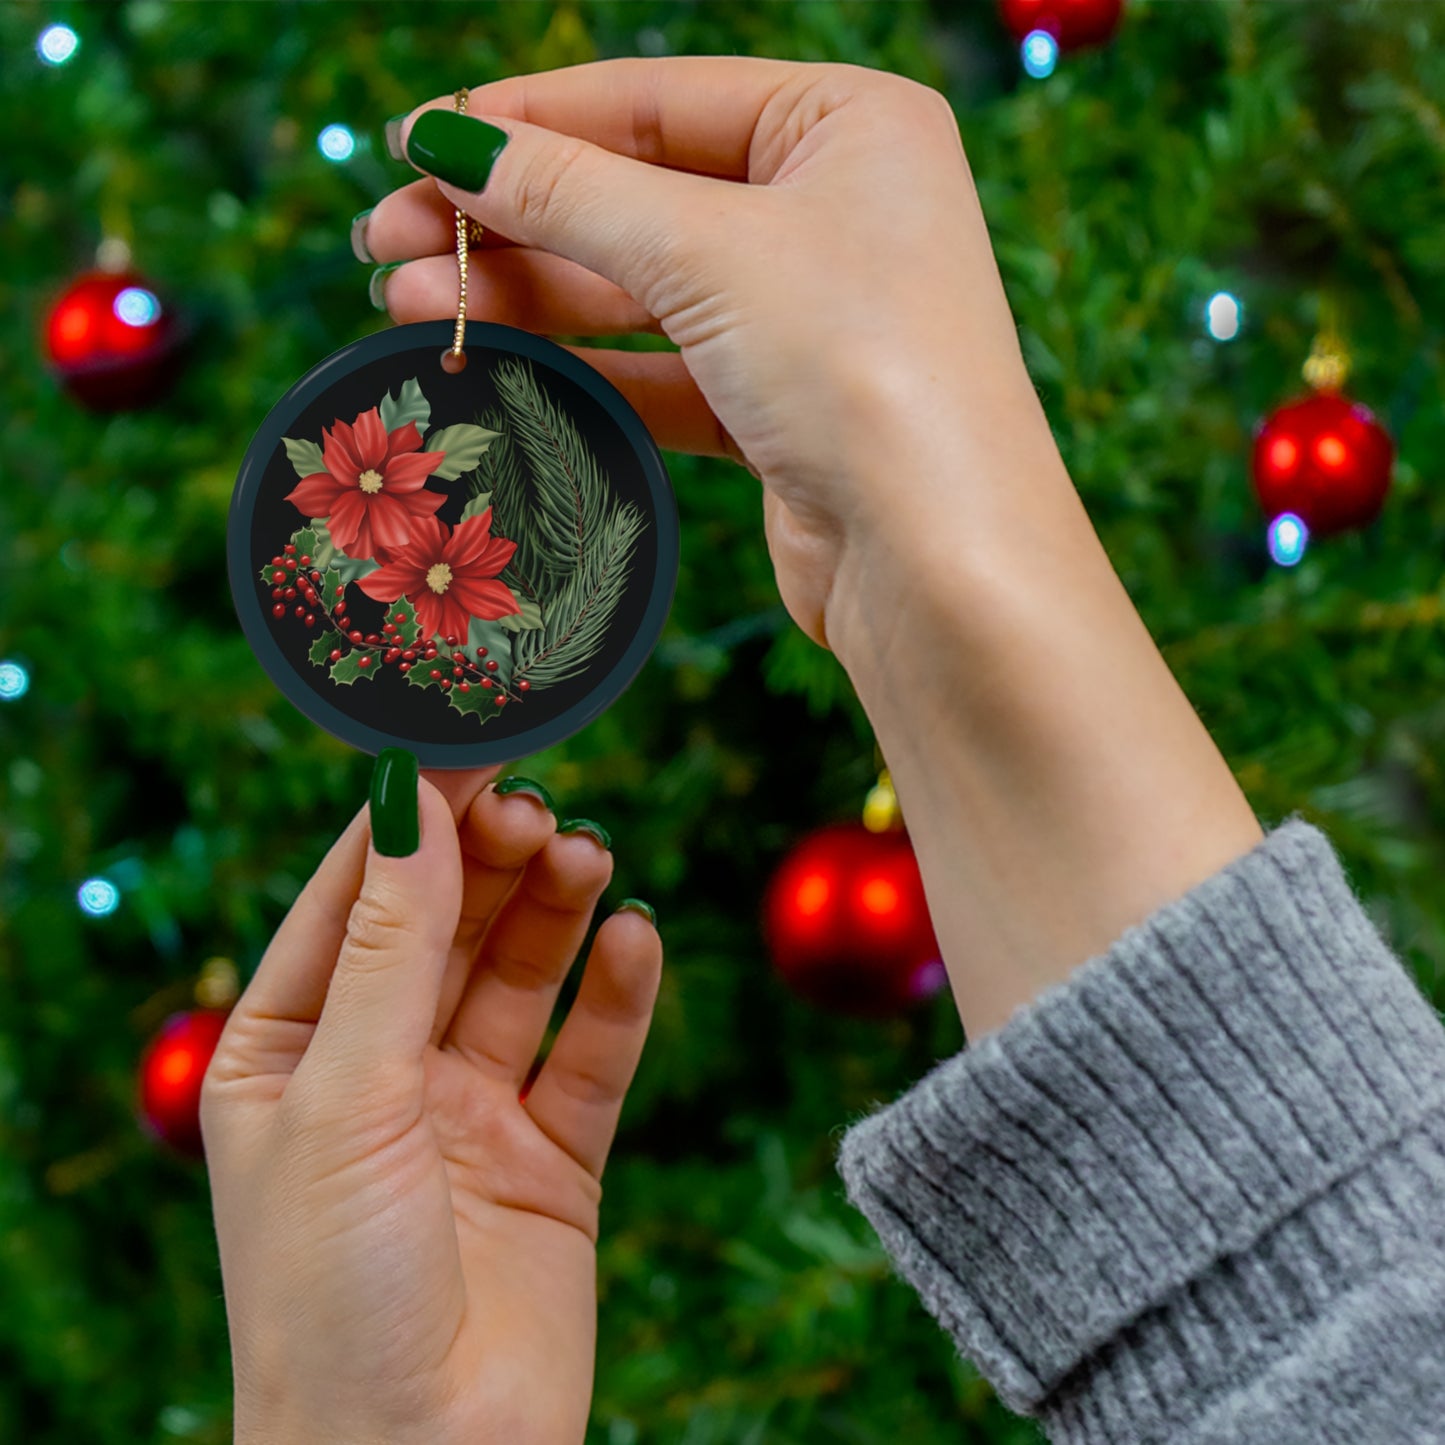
x=500 y=473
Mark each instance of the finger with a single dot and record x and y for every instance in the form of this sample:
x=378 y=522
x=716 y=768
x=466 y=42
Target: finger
x=500 y=834
x=417 y=220
x=460 y=787
x=502 y=1015
x=382 y=997
x=533 y=290
x=577 y=1097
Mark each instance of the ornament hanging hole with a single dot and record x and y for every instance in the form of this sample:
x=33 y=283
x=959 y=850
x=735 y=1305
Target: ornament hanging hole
x=454 y=362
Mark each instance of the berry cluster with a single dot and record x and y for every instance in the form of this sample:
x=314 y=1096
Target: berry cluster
x=292 y=576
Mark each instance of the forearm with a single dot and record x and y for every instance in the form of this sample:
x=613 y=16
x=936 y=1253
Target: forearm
x=1056 y=783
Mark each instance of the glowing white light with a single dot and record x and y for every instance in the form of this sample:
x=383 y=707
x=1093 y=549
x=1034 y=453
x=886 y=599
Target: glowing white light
x=57 y=44
x=14 y=681
x=336 y=143
x=136 y=306
x=1040 y=53
x=1223 y=316
x=98 y=897
x=1288 y=537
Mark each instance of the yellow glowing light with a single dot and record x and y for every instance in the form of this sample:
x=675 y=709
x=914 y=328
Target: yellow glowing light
x=812 y=894
x=1283 y=454
x=1331 y=451
x=878 y=896
x=176 y=1067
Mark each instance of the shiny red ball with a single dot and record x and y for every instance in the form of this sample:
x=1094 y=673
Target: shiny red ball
x=171 y=1071
x=1073 y=23
x=847 y=924
x=112 y=340
x=1324 y=458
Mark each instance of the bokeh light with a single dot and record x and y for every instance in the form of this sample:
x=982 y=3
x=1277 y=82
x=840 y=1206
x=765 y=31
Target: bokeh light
x=1040 y=52
x=1223 y=316
x=57 y=44
x=336 y=143
x=14 y=681
x=137 y=307
x=98 y=897
x=1288 y=537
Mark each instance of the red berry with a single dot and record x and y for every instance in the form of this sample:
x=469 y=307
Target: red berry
x=291 y=564
x=310 y=619
x=279 y=610
x=391 y=655
x=401 y=616
x=305 y=561
x=289 y=593
x=276 y=560
x=486 y=682
x=464 y=687
x=276 y=592
x=481 y=652
x=316 y=577
x=363 y=661
x=300 y=610
x=341 y=592
x=492 y=665
x=336 y=654
x=501 y=698
x=451 y=641
x=388 y=628
x=446 y=684
x=342 y=620
x=289 y=549
x=436 y=672
x=409 y=655
x=431 y=652
x=372 y=638
x=354 y=636
x=523 y=685
x=278 y=575
x=404 y=667
x=456 y=672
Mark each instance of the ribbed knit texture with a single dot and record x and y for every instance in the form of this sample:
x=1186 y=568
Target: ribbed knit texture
x=1196 y=1192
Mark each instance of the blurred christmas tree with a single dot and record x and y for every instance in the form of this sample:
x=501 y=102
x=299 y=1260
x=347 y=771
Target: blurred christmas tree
x=1285 y=155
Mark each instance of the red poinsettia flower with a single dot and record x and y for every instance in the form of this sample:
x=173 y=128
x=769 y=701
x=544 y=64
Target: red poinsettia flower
x=374 y=485
x=448 y=575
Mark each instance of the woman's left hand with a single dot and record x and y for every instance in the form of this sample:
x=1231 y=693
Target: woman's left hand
x=407 y=1235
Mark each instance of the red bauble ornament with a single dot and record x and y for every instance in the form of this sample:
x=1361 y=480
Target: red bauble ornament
x=1073 y=23
x=112 y=341
x=847 y=924
x=1324 y=458
x=171 y=1071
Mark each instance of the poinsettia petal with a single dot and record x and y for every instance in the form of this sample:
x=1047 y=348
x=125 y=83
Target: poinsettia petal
x=348 y=513
x=390 y=522
x=484 y=597
x=370 y=440
x=339 y=453
x=428 y=608
x=428 y=536
x=406 y=438
x=497 y=553
x=470 y=539
x=407 y=473
x=388 y=583
x=455 y=618
x=314 y=496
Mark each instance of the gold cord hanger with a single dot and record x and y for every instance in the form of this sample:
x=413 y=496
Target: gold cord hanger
x=455 y=360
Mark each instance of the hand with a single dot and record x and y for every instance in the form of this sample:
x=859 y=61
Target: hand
x=845 y=298
x=407 y=1246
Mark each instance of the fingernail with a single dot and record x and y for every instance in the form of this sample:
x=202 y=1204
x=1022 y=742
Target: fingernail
x=529 y=786
x=393 y=137
x=376 y=288
x=455 y=148
x=636 y=905
x=395 y=812
x=586 y=825
x=358 y=236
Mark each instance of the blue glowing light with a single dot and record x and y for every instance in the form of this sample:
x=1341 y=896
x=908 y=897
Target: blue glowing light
x=137 y=307
x=14 y=681
x=336 y=143
x=1288 y=537
x=1223 y=316
x=1040 y=53
x=57 y=44
x=98 y=897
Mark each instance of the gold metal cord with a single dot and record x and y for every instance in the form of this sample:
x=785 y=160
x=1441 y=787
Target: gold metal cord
x=466 y=230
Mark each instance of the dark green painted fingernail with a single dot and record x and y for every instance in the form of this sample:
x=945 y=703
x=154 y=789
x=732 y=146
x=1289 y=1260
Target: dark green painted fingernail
x=376 y=288
x=586 y=825
x=515 y=784
x=393 y=136
x=395 y=812
x=358 y=236
x=636 y=905
x=455 y=148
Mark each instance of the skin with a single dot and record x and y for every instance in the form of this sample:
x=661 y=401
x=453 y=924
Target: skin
x=408 y=1251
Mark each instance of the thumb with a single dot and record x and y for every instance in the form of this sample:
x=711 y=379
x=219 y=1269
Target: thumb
x=382 y=1000
x=633 y=223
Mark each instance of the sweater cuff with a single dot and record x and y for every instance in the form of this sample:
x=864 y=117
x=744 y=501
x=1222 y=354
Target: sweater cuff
x=1230 y=1059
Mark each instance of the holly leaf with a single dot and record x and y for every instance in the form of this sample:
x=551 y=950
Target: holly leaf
x=410 y=405
x=475 y=507
x=477 y=699
x=421 y=675
x=348 y=669
x=305 y=456
x=401 y=617
x=464 y=445
x=352 y=569
x=305 y=542
x=321 y=650
x=529 y=618
x=330 y=581
x=498 y=643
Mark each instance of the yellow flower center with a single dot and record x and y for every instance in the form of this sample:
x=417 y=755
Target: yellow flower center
x=439 y=577
x=370 y=482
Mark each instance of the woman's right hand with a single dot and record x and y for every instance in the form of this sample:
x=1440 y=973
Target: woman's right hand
x=836 y=315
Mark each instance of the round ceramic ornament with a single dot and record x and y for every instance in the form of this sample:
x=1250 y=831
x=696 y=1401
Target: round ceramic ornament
x=467 y=552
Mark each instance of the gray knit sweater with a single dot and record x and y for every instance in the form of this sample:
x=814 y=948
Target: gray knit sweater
x=1196 y=1192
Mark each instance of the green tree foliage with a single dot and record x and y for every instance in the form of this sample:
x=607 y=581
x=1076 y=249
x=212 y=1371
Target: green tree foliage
x=1285 y=152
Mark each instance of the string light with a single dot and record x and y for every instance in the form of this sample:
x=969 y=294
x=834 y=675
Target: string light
x=1288 y=537
x=1223 y=316
x=336 y=143
x=1040 y=52
x=57 y=44
x=14 y=681
x=98 y=897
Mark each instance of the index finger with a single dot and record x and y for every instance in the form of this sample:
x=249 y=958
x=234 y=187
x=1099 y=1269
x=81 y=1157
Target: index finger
x=695 y=113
